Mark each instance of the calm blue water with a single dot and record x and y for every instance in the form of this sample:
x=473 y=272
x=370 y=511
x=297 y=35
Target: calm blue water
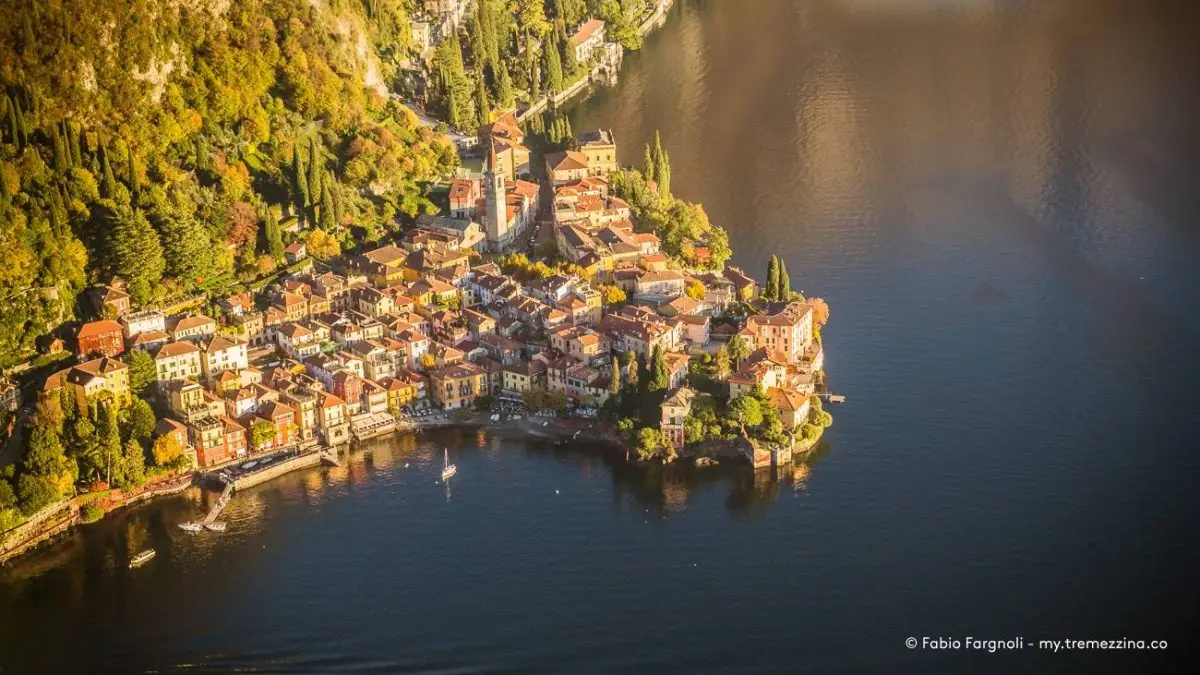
x=996 y=198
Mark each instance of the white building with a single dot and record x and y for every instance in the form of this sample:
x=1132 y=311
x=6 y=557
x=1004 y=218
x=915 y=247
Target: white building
x=222 y=353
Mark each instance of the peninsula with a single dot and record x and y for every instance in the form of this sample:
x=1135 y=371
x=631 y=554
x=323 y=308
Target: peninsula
x=553 y=284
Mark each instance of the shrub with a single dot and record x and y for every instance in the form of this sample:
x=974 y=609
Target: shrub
x=91 y=513
x=809 y=431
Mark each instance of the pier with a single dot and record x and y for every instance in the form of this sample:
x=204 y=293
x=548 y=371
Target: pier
x=222 y=502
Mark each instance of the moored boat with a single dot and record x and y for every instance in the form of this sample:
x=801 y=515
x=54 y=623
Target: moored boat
x=215 y=526
x=141 y=558
x=448 y=469
x=191 y=527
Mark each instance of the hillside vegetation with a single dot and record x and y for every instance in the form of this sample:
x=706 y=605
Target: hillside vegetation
x=172 y=142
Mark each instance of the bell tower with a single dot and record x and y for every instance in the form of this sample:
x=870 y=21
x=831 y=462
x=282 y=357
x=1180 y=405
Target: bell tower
x=497 y=210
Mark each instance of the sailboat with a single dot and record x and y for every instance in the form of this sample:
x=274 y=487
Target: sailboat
x=448 y=469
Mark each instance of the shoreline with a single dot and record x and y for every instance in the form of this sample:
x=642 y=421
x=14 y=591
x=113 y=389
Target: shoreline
x=477 y=420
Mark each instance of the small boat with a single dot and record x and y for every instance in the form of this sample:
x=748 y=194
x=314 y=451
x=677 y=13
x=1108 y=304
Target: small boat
x=215 y=526
x=249 y=465
x=448 y=469
x=704 y=461
x=141 y=558
x=191 y=527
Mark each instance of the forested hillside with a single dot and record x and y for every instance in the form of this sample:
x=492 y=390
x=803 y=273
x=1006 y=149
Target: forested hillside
x=517 y=51
x=171 y=142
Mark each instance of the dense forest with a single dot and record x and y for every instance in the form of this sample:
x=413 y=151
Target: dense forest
x=171 y=143
x=517 y=51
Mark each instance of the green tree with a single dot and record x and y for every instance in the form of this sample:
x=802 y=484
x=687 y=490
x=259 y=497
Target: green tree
x=746 y=410
x=316 y=167
x=44 y=452
x=135 y=185
x=664 y=179
x=649 y=169
x=504 y=87
x=633 y=369
x=328 y=214
x=133 y=465
x=738 y=350
x=770 y=292
x=8 y=496
x=83 y=446
x=108 y=182
x=261 y=433
x=35 y=493
x=552 y=70
x=657 y=153
x=531 y=18
x=141 y=421
x=482 y=104
x=627 y=429
x=649 y=441
x=142 y=371
x=134 y=251
x=614 y=384
x=660 y=378
x=299 y=180
x=721 y=366
x=110 y=442
x=785 y=282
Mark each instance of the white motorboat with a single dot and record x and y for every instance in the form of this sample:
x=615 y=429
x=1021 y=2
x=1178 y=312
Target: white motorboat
x=141 y=558
x=448 y=469
x=191 y=527
x=215 y=526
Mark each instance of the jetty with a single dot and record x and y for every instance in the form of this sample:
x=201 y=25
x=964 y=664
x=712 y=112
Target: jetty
x=832 y=398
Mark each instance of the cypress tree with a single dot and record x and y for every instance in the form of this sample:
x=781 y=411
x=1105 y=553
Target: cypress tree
x=482 y=105
x=75 y=145
x=631 y=360
x=108 y=182
x=785 y=283
x=648 y=165
x=59 y=152
x=772 y=287
x=315 y=168
x=11 y=107
x=299 y=183
x=327 y=210
x=535 y=80
x=504 y=87
x=22 y=136
x=657 y=153
x=614 y=385
x=135 y=185
x=664 y=178
x=660 y=379
x=552 y=69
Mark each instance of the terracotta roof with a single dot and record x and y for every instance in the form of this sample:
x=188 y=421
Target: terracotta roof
x=586 y=31
x=386 y=255
x=175 y=349
x=98 y=328
x=566 y=161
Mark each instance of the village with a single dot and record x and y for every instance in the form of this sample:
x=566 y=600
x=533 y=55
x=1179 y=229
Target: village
x=354 y=347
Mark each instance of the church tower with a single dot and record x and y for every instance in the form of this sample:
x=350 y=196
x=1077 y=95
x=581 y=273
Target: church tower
x=497 y=205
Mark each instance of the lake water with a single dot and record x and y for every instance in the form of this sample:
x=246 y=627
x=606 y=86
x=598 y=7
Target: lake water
x=996 y=198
